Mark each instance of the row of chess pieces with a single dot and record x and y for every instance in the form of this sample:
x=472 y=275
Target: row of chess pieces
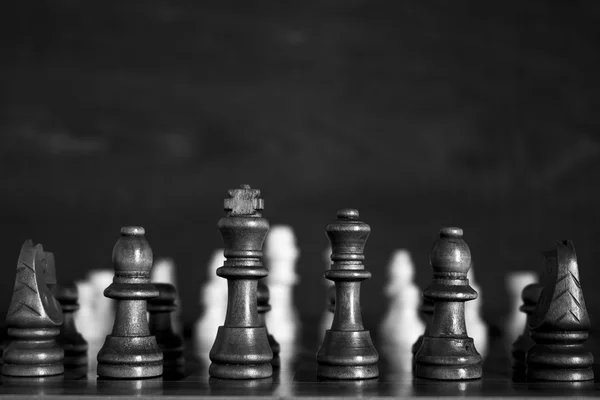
x=44 y=339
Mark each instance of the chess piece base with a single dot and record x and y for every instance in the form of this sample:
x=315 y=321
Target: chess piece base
x=347 y=355
x=559 y=363
x=241 y=353
x=75 y=354
x=130 y=357
x=33 y=359
x=448 y=359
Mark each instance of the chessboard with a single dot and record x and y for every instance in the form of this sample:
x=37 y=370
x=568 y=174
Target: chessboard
x=296 y=378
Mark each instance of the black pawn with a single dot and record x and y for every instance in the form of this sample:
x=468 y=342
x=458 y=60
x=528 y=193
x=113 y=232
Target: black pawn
x=427 y=311
x=263 y=307
x=131 y=351
x=560 y=323
x=447 y=352
x=70 y=339
x=347 y=351
x=33 y=319
x=241 y=349
x=530 y=296
x=161 y=310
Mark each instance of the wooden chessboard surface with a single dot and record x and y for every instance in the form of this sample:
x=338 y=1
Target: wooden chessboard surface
x=297 y=379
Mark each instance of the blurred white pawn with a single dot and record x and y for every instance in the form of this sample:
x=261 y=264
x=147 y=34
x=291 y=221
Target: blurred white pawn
x=515 y=323
x=476 y=327
x=164 y=271
x=281 y=254
x=327 y=317
x=84 y=317
x=104 y=308
x=401 y=327
x=213 y=301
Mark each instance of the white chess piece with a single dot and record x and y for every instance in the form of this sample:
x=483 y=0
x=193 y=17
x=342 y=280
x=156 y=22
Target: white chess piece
x=104 y=308
x=281 y=254
x=515 y=323
x=213 y=300
x=476 y=327
x=164 y=271
x=84 y=317
x=327 y=317
x=401 y=327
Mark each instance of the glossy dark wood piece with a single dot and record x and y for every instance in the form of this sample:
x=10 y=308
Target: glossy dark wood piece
x=73 y=344
x=347 y=351
x=241 y=349
x=33 y=319
x=131 y=351
x=560 y=323
x=447 y=352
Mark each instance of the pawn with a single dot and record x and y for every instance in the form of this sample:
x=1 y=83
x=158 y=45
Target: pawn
x=347 y=351
x=213 y=301
x=70 y=339
x=327 y=317
x=516 y=321
x=477 y=327
x=401 y=325
x=447 y=352
x=530 y=295
x=131 y=351
x=33 y=319
x=426 y=309
x=263 y=307
x=161 y=309
x=560 y=323
x=165 y=271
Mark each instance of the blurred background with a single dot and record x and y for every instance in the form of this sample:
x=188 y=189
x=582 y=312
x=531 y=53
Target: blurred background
x=419 y=114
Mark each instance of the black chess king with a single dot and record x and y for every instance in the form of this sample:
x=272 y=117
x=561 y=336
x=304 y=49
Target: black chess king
x=241 y=349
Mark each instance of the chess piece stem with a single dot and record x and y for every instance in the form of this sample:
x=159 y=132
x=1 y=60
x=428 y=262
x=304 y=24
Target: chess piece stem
x=70 y=339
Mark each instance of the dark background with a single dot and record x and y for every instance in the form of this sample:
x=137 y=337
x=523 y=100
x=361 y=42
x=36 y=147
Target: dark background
x=418 y=113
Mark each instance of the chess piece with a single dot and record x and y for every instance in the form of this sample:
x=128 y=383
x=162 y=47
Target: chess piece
x=160 y=322
x=426 y=309
x=164 y=271
x=280 y=258
x=347 y=351
x=241 y=349
x=447 y=352
x=402 y=326
x=213 y=299
x=73 y=344
x=560 y=323
x=477 y=327
x=102 y=306
x=33 y=319
x=131 y=351
x=263 y=307
x=516 y=321
x=530 y=295
x=327 y=317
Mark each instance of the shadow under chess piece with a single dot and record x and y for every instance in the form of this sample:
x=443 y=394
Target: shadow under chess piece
x=161 y=309
x=131 y=351
x=560 y=323
x=347 y=351
x=33 y=319
x=447 y=352
x=530 y=295
x=263 y=307
x=241 y=349
x=70 y=339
